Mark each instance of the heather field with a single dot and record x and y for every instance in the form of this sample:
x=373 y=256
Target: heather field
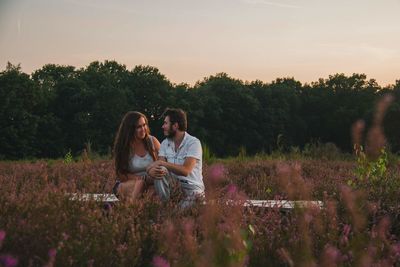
x=358 y=226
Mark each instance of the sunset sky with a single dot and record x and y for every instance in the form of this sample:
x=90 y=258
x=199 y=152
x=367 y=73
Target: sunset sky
x=188 y=40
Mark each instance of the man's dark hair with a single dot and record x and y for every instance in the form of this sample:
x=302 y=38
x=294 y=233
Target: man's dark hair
x=177 y=115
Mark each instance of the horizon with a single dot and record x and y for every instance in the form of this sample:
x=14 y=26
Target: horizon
x=214 y=74
x=188 y=41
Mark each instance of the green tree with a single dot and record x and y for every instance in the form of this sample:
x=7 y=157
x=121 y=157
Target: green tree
x=106 y=99
x=18 y=122
x=332 y=105
x=227 y=113
x=51 y=138
x=391 y=121
x=150 y=92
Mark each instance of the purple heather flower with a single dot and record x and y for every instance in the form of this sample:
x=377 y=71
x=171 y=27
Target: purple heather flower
x=332 y=253
x=107 y=206
x=188 y=226
x=232 y=189
x=346 y=229
x=2 y=235
x=160 y=262
x=8 y=261
x=308 y=217
x=396 y=249
x=216 y=172
x=52 y=253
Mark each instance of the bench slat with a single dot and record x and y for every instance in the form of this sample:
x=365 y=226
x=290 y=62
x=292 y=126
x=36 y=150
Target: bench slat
x=93 y=197
x=280 y=204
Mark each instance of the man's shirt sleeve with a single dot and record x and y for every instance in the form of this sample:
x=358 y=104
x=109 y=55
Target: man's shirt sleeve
x=163 y=149
x=194 y=150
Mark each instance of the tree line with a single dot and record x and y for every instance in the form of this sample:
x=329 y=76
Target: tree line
x=58 y=109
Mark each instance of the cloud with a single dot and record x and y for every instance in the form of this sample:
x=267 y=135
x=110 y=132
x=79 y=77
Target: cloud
x=275 y=4
x=379 y=52
x=363 y=49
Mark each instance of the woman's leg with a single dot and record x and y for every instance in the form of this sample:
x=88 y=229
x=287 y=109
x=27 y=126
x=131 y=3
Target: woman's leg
x=131 y=190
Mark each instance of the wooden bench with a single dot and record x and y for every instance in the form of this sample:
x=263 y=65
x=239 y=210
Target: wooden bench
x=93 y=197
x=280 y=204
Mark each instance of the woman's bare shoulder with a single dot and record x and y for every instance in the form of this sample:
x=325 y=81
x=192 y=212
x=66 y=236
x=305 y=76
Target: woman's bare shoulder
x=155 y=142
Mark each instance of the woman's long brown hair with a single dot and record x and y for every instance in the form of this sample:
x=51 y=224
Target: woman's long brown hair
x=125 y=135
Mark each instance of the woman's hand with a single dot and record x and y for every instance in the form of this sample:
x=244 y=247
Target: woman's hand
x=157 y=171
x=154 y=164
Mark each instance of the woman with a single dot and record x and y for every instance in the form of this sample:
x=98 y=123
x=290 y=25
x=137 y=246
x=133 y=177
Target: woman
x=134 y=150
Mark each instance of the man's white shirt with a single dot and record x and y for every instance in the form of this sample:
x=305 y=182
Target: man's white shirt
x=190 y=147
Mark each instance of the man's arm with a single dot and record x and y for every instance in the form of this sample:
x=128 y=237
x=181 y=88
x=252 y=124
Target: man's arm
x=194 y=154
x=183 y=170
x=154 y=169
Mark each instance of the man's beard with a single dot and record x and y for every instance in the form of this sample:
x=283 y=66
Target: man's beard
x=171 y=133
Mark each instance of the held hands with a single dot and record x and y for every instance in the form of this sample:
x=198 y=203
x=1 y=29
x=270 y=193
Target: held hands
x=154 y=164
x=157 y=171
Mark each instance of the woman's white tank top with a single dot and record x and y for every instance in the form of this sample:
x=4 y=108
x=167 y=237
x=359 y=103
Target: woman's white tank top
x=138 y=164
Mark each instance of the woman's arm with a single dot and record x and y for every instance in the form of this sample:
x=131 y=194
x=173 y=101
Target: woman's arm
x=128 y=177
x=157 y=145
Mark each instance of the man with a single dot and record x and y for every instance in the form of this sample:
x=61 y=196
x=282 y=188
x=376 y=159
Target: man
x=180 y=154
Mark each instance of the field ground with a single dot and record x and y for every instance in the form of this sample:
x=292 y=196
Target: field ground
x=358 y=226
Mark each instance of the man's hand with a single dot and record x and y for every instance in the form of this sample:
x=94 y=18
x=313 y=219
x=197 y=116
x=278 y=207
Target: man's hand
x=156 y=171
x=182 y=170
x=156 y=163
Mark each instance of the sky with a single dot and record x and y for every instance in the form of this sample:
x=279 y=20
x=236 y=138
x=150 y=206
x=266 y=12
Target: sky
x=188 y=40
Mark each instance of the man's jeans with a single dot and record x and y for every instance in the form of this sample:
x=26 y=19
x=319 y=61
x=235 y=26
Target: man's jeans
x=192 y=193
x=162 y=188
